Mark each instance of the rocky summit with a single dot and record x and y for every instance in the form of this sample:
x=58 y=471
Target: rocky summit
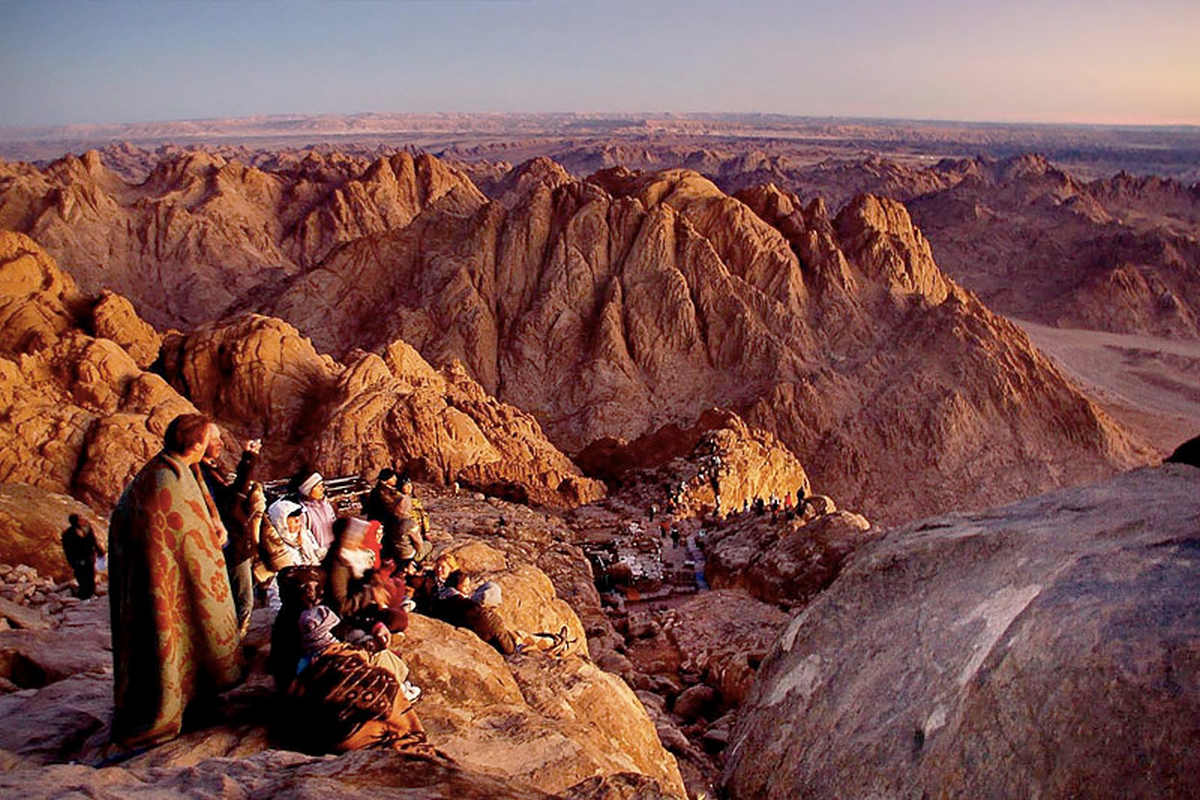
x=1049 y=648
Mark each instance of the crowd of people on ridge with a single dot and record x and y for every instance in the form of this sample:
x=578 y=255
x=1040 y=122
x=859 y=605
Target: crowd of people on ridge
x=193 y=551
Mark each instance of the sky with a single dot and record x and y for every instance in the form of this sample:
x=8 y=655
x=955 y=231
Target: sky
x=1054 y=61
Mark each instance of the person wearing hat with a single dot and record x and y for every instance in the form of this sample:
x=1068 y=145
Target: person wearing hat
x=358 y=589
x=318 y=511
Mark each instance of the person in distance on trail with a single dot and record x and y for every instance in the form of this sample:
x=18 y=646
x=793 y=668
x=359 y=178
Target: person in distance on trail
x=81 y=550
x=175 y=639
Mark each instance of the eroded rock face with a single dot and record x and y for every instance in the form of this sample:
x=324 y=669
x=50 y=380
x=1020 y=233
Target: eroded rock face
x=719 y=456
x=260 y=377
x=613 y=306
x=201 y=230
x=781 y=560
x=1116 y=254
x=77 y=414
x=1046 y=648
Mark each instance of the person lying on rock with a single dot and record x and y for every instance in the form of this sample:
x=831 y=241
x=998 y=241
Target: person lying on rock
x=358 y=588
x=343 y=696
x=318 y=511
x=456 y=606
x=81 y=550
x=290 y=524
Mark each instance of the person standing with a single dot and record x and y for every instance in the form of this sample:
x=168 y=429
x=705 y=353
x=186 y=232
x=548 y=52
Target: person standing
x=81 y=550
x=239 y=551
x=174 y=627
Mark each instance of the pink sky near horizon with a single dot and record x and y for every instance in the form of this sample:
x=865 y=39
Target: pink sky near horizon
x=1055 y=61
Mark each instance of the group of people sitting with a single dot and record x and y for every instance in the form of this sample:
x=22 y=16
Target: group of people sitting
x=342 y=588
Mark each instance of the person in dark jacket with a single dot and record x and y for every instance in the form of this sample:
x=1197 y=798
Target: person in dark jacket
x=81 y=550
x=455 y=605
x=227 y=495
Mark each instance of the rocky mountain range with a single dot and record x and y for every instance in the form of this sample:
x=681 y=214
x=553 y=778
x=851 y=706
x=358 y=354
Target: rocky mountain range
x=359 y=311
x=604 y=307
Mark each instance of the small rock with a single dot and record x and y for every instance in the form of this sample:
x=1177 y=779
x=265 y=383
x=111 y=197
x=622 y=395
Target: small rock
x=693 y=703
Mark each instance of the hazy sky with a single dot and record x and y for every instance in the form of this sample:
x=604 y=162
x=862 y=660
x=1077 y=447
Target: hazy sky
x=1095 y=61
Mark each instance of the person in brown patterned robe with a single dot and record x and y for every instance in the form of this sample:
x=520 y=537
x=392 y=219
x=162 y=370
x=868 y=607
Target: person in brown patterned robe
x=174 y=629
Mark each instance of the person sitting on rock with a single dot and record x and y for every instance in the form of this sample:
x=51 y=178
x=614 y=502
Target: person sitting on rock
x=379 y=503
x=81 y=550
x=343 y=696
x=404 y=542
x=318 y=511
x=289 y=522
x=357 y=589
x=456 y=606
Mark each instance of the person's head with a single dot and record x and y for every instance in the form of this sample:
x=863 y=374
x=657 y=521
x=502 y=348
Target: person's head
x=459 y=581
x=187 y=437
x=295 y=521
x=301 y=587
x=387 y=476
x=351 y=531
x=215 y=446
x=74 y=520
x=313 y=487
x=445 y=564
x=405 y=486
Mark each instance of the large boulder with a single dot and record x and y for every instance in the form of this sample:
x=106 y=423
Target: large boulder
x=31 y=520
x=781 y=560
x=1044 y=649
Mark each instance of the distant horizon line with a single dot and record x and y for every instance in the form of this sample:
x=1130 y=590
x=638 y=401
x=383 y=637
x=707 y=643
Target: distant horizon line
x=49 y=129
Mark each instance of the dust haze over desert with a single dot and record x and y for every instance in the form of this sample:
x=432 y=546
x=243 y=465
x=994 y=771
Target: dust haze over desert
x=823 y=383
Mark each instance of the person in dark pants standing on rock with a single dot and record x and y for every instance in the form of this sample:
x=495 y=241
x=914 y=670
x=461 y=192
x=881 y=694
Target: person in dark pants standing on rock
x=81 y=550
x=239 y=552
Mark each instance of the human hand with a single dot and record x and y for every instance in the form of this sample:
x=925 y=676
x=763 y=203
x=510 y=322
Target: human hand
x=254 y=446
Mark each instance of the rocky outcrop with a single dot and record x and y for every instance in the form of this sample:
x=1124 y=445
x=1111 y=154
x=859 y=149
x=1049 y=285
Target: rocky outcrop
x=530 y=720
x=202 y=230
x=1045 y=648
x=1118 y=254
x=77 y=414
x=719 y=456
x=783 y=559
x=260 y=377
x=31 y=520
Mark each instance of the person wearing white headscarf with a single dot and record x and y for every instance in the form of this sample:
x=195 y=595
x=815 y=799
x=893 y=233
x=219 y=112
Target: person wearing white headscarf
x=288 y=519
